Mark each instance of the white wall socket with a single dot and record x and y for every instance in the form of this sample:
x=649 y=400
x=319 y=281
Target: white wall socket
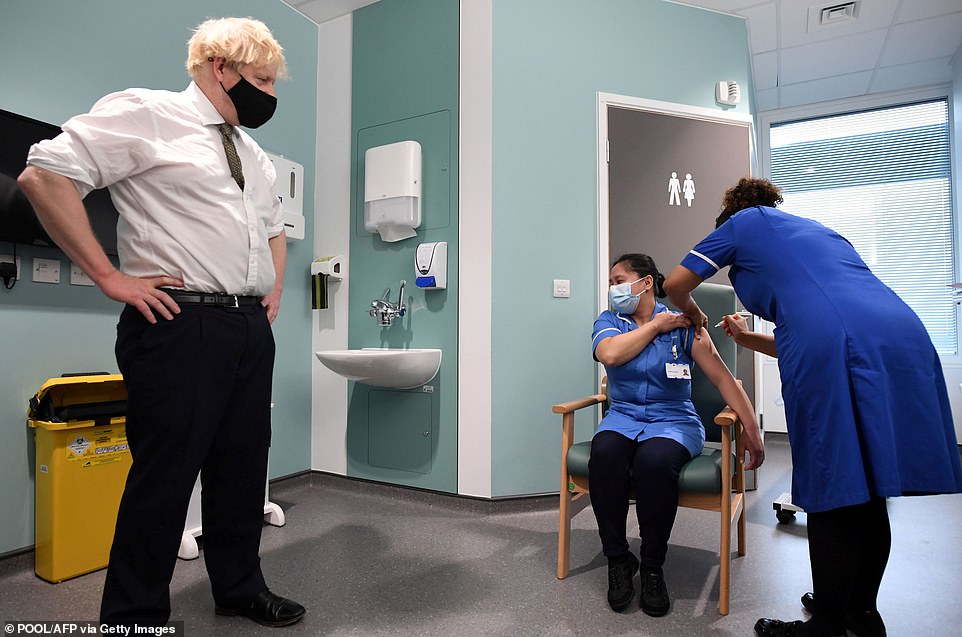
x=46 y=270
x=78 y=276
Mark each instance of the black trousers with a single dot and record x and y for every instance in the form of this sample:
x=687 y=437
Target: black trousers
x=652 y=467
x=849 y=549
x=199 y=393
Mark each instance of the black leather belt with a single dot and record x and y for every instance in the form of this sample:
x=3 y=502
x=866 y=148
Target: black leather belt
x=213 y=299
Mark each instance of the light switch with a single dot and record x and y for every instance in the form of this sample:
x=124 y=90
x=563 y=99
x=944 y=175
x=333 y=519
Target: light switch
x=46 y=270
x=562 y=288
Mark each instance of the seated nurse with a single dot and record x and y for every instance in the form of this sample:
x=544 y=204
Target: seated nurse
x=651 y=429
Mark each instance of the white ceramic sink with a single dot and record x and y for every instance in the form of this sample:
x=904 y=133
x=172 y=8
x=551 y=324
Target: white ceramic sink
x=383 y=367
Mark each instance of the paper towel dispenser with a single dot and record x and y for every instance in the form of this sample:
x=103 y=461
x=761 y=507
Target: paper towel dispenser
x=392 y=190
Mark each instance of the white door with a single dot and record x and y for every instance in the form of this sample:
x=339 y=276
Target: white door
x=768 y=402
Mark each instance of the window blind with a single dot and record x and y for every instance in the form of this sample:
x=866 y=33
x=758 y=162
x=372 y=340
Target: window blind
x=882 y=179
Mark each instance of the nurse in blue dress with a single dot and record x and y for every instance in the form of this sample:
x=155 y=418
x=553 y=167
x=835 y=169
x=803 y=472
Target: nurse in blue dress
x=651 y=429
x=865 y=400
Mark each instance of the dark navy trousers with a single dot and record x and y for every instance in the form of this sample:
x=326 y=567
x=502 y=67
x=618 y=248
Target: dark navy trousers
x=652 y=467
x=199 y=395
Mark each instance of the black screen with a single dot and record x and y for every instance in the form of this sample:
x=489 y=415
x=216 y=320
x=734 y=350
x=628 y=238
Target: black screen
x=18 y=222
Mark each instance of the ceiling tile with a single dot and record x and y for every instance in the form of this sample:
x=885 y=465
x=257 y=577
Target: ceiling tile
x=796 y=25
x=766 y=100
x=921 y=9
x=903 y=76
x=762 y=27
x=833 y=57
x=832 y=88
x=765 y=70
x=931 y=38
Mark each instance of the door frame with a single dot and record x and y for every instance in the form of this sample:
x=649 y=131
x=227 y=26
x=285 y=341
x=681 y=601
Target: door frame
x=612 y=100
x=607 y=100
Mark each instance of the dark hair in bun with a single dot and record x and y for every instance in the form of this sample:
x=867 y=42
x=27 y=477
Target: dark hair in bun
x=643 y=265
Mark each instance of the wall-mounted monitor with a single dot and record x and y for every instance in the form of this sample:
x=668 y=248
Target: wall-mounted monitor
x=18 y=222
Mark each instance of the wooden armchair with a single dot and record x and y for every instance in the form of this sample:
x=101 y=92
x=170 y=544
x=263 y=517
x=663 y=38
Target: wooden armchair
x=713 y=481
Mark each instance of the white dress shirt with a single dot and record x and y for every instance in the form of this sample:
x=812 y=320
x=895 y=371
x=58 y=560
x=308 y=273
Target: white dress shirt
x=181 y=213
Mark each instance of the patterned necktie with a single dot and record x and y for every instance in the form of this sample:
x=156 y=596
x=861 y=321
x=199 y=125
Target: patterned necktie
x=233 y=159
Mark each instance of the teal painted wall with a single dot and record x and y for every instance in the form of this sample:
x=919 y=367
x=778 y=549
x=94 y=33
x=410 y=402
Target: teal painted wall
x=59 y=57
x=405 y=86
x=551 y=57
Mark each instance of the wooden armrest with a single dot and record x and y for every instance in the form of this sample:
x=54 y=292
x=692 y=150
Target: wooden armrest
x=726 y=417
x=574 y=405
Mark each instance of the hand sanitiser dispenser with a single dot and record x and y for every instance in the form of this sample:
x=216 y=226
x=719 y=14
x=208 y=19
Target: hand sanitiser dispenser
x=392 y=190
x=431 y=264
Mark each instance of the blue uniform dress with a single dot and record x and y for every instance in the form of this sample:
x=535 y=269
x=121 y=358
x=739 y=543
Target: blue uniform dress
x=865 y=399
x=645 y=402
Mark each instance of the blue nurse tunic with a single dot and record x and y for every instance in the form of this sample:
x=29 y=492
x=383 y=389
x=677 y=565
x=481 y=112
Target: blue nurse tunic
x=865 y=400
x=645 y=401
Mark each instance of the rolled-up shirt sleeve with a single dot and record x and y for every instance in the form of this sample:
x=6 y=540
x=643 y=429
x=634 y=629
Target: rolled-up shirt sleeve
x=275 y=220
x=99 y=148
x=713 y=253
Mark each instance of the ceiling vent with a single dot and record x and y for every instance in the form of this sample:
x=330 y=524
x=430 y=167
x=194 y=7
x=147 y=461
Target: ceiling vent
x=838 y=13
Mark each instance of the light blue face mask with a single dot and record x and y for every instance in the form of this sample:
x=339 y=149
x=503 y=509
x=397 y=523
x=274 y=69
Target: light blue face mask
x=621 y=299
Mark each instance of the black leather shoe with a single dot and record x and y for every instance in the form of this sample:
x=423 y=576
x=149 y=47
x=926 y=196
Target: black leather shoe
x=808 y=601
x=776 y=628
x=620 y=588
x=267 y=609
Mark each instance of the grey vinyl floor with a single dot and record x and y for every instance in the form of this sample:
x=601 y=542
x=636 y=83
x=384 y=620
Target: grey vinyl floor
x=373 y=559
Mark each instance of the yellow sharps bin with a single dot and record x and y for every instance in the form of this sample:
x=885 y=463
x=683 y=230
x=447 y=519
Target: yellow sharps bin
x=81 y=468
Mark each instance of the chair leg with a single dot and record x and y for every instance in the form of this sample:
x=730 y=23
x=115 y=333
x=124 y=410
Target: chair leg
x=742 y=540
x=724 y=574
x=564 y=533
x=724 y=570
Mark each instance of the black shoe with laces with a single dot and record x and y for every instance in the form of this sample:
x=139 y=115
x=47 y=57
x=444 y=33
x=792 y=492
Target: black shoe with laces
x=620 y=588
x=654 y=598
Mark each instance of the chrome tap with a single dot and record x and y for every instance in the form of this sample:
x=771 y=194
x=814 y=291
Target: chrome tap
x=384 y=311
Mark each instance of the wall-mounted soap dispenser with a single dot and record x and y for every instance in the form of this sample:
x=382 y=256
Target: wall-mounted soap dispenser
x=392 y=190
x=431 y=265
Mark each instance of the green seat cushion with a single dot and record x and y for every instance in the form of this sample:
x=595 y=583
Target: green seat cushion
x=578 y=456
x=701 y=474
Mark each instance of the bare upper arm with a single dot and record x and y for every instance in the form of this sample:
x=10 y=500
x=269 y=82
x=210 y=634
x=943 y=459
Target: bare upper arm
x=706 y=356
x=681 y=281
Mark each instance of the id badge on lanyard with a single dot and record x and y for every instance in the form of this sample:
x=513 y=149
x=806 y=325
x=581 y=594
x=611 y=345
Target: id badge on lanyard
x=674 y=369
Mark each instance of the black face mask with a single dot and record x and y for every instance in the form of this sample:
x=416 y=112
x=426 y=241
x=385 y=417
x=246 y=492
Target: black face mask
x=254 y=107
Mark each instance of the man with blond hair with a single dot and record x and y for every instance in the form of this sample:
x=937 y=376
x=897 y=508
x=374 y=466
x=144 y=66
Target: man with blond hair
x=202 y=254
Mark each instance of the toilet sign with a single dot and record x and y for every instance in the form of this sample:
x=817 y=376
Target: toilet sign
x=675 y=187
